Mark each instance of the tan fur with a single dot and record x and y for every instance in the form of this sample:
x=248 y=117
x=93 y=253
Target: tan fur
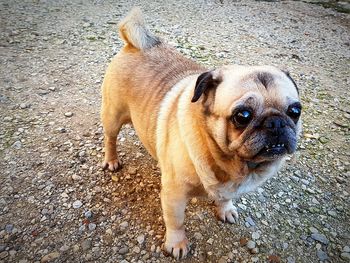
x=199 y=151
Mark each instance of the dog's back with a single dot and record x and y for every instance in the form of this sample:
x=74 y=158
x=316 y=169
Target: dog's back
x=139 y=76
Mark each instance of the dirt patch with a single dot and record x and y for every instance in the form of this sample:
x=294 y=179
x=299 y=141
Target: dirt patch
x=58 y=205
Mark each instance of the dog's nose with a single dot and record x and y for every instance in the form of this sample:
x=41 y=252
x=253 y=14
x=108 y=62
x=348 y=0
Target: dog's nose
x=274 y=122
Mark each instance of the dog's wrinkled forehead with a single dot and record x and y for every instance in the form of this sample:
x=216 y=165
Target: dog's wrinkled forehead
x=265 y=83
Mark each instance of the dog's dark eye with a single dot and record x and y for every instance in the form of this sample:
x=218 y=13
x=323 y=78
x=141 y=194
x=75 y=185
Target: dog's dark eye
x=242 y=118
x=294 y=111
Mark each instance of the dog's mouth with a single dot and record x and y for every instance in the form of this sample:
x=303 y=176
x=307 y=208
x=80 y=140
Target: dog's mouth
x=273 y=150
x=267 y=154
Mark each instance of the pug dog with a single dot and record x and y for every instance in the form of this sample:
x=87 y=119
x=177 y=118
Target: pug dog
x=217 y=133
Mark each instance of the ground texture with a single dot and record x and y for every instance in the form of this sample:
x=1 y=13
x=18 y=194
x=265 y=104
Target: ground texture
x=56 y=203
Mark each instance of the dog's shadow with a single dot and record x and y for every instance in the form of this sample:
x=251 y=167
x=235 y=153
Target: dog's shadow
x=135 y=195
x=136 y=200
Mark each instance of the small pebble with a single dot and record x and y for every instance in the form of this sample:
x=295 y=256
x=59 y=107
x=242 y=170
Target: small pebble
x=86 y=244
x=50 y=257
x=136 y=250
x=250 y=244
x=198 y=236
x=140 y=239
x=4 y=254
x=17 y=145
x=109 y=232
x=75 y=248
x=68 y=114
x=8 y=228
x=88 y=214
x=210 y=241
x=64 y=248
x=332 y=213
x=290 y=259
x=255 y=235
x=132 y=170
x=64 y=195
x=313 y=230
x=23 y=106
x=294 y=178
x=76 y=177
x=305 y=182
x=92 y=226
x=250 y=221
x=320 y=238
x=322 y=255
x=8 y=118
x=123 y=251
x=77 y=204
x=61 y=130
x=124 y=224
x=254 y=250
x=345 y=256
x=274 y=259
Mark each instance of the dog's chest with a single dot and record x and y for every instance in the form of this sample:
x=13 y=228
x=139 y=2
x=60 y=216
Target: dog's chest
x=231 y=190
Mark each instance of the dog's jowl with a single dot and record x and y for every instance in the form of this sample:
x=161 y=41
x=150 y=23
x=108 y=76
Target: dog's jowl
x=217 y=133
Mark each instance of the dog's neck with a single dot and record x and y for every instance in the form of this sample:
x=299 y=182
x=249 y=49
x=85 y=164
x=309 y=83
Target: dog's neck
x=226 y=167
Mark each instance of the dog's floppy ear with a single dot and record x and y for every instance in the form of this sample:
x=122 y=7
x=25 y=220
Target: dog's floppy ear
x=205 y=82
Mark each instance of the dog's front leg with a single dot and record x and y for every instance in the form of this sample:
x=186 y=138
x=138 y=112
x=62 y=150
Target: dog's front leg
x=226 y=211
x=173 y=204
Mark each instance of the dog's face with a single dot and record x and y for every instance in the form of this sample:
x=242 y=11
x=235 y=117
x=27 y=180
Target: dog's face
x=250 y=112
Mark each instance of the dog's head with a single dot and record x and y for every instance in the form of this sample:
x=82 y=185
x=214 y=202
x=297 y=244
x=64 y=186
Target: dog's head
x=250 y=112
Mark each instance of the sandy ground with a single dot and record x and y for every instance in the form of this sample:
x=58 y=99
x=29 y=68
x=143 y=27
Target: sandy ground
x=57 y=205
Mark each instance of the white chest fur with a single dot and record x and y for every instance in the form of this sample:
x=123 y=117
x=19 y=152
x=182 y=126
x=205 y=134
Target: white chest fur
x=230 y=190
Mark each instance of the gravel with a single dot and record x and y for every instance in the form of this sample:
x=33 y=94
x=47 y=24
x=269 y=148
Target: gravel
x=56 y=202
x=320 y=238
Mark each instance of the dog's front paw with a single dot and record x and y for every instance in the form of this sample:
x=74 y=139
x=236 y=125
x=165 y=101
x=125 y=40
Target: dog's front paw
x=112 y=165
x=176 y=244
x=226 y=211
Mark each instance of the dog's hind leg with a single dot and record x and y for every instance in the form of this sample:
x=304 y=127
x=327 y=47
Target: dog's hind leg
x=113 y=117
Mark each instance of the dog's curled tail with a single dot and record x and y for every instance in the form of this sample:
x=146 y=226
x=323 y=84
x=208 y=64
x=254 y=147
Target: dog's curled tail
x=133 y=31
